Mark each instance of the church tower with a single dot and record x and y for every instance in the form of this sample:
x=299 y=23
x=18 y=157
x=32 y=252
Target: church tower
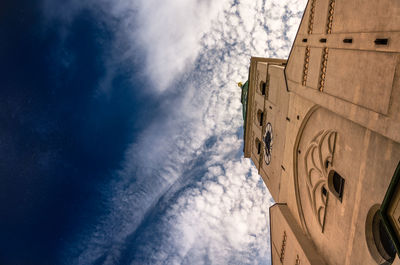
x=323 y=130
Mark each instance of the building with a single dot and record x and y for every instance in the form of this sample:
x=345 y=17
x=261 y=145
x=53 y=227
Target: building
x=323 y=130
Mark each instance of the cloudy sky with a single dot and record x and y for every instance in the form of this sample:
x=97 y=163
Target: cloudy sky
x=121 y=130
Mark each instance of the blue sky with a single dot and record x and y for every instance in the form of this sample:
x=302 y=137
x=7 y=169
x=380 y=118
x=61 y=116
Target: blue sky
x=121 y=130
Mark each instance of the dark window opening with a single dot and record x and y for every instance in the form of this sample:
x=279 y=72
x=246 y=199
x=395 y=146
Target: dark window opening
x=382 y=239
x=304 y=40
x=322 y=40
x=258 y=145
x=386 y=241
x=381 y=41
x=260 y=117
x=263 y=86
x=336 y=184
x=348 y=40
x=298 y=117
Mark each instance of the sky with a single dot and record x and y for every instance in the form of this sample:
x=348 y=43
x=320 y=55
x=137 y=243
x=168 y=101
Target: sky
x=121 y=133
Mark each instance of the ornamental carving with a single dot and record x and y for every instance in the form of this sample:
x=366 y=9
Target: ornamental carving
x=297 y=260
x=282 y=256
x=305 y=66
x=268 y=141
x=311 y=17
x=330 y=16
x=318 y=157
x=324 y=64
x=258 y=83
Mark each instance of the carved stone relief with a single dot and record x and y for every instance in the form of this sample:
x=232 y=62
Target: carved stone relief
x=324 y=64
x=254 y=114
x=282 y=256
x=297 y=260
x=267 y=87
x=252 y=141
x=268 y=141
x=258 y=83
x=319 y=154
x=305 y=66
x=330 y=16
x=311 y=17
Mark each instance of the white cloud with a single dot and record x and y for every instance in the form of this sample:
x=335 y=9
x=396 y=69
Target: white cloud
x=169 y=30
x=189 y=160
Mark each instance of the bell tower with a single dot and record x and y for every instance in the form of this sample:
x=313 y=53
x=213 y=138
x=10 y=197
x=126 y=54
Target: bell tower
x=265 y=114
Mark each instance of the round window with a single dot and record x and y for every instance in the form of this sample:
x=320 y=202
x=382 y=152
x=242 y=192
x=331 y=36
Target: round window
x=378 y=239
x=268 y=143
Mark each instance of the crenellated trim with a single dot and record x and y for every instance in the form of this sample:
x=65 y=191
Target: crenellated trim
x=297 y=260
x=324 y=64
x=282 y=256
x=330 y=17
x=305 y=67
x=311 y=17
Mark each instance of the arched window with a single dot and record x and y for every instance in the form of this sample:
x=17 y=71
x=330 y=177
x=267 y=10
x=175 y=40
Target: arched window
x=336 y=184
x=258 y=146
x=378 y=239
x=260 y=117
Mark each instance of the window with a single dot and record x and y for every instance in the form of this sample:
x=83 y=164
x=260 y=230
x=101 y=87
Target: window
x=260 y=117
x=381 y=41
x=263 y=86
x=336 y=184
x=378 y=239
x=258 y=146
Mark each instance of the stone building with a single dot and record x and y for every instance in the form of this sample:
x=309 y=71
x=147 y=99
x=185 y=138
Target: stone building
x=323 y=130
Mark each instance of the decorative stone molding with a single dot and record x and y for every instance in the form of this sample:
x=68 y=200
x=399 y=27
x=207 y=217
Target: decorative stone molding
x=296 y=161
x=267 y=87
x=252 y=141
x=258 y=83
x=268 y=142
x=297 y=260
x=324 y=64
x=282 y=256
x=311 y=17
x=254 y=114
x=330 y=16
x=305 y=67
x=319 y=153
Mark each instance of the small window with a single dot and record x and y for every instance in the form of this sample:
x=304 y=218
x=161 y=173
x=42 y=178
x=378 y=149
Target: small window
x=336 y=184
x=381 y=41
x=263 y=86
x=260 y=117
x=258 y=145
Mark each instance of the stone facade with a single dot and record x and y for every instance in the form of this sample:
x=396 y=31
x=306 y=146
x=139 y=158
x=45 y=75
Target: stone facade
x=323 y=130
